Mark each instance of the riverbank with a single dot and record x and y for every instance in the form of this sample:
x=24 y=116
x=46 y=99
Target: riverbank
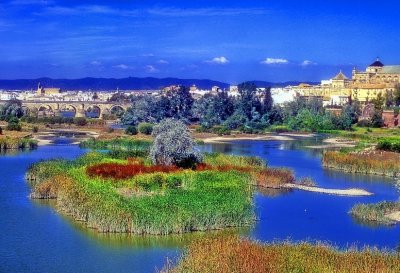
x=232 y=254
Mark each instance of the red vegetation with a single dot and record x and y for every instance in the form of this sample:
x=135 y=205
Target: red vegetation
x=124 y=171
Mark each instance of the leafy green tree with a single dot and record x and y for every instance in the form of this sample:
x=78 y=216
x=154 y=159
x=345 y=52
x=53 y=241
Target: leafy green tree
x=173 y=145
x=378 y=102
x=267 y=101
x=180 y=103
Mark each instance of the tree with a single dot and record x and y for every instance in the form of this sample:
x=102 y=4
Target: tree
x=180 y=103
x=267 y=101
x=13 y=124
x=397 y=95
x=389 y=98
x=173 y=145
x=378 y=102
x=247 y=98
x=13 y=108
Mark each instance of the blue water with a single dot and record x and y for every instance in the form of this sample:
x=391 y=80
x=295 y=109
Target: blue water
x=300 y=215
x=35 y=238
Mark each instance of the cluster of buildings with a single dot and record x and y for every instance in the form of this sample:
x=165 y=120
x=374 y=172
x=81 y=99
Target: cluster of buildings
x=363 y=86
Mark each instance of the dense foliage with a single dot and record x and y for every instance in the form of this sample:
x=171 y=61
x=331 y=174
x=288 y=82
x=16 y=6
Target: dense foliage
x=251 y=111
x=391 y=144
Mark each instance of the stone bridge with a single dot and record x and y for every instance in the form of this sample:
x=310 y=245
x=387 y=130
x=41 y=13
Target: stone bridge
x=79 y=107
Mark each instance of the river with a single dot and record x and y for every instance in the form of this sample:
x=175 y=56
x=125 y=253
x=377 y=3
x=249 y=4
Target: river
x=37 y=239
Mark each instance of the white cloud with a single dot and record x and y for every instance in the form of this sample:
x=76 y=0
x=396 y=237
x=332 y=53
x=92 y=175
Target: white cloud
x=147 y=55
x=307 y=63
x=95 y=63
x=275 y=61
x=31 y=2
x=201 y=12
x=151 y=69
x=163 y=62
x=122 y=66
x=219 y=60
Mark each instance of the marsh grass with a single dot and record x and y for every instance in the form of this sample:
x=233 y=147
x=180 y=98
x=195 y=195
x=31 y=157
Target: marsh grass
x=133 y=196
x=231 y=254
x=375 y=212
x=368 y=162
x=10 y=143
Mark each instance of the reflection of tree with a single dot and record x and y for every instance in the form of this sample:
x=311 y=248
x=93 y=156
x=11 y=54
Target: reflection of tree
x=267 y=192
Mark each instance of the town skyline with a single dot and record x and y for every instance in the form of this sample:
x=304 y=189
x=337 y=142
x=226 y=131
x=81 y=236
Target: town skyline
x=288 y=41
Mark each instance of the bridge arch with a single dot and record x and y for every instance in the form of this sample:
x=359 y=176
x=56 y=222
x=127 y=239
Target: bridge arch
x=68 y=110
x=45 y=110
x=93 y=111
x=117 y=110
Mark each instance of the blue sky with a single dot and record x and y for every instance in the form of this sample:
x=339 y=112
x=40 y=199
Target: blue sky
x=231 y=41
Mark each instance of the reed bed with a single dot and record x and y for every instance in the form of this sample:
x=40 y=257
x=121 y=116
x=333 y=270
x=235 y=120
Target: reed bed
x=231 y=254
x=160 y=203
x=10 y=143
x=117 y=144
x=133 y=196
x=376 y=212
x=367 y=162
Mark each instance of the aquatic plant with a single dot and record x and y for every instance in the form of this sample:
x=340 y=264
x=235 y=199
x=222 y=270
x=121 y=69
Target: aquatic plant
x=116 y=144
x=148 y=203
x=231 y=254
x=12 y=143
x=376 y=212
x=368 y=162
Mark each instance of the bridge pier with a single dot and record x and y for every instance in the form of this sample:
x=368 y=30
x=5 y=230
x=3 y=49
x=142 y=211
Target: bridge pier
x=80 y=113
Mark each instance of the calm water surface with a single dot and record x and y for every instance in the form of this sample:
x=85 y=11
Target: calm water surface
x=37 y=239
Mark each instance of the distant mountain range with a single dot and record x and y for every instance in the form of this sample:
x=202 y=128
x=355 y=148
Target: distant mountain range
x=131 y=83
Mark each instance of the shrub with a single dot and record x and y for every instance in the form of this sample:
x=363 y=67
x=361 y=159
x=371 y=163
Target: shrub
x=80 y=121
x=35 y=129
x=389 y=144
x=364 y=123
x=145 y=128
x=1 y=131
x=13 y=124
x=110 y=130
x=221 y=130
x=173 y=145
x=131 y=130
x=279 y=129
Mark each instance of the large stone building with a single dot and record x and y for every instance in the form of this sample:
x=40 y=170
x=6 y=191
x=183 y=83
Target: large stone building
x=41 y=91
x=363 y=86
